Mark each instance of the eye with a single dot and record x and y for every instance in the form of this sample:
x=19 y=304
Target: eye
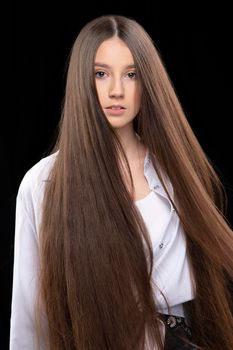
x=100 y=74
x=132 y=75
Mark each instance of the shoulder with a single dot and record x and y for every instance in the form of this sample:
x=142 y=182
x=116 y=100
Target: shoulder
x=33 y=182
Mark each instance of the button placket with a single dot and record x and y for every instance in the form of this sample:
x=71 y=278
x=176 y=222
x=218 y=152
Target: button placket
x=157 y=188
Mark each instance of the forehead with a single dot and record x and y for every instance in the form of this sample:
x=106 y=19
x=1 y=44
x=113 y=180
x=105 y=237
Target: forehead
x=114 y=51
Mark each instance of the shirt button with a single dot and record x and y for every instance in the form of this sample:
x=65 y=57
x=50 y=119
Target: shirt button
x=161 y=246
x=156 y=187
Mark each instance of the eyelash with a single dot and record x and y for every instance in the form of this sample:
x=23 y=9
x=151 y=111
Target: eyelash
x=102 y=76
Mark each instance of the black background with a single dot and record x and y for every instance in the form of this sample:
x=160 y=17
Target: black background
x=195 y=45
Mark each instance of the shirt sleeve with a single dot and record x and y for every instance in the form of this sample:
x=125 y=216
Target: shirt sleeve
x=22 y=326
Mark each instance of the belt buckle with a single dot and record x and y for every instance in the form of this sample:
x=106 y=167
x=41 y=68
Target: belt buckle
x=172 y=321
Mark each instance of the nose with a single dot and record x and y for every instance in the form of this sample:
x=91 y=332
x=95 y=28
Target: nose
x=116 y=89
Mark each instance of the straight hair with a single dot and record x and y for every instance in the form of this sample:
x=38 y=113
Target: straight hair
x=95 y=270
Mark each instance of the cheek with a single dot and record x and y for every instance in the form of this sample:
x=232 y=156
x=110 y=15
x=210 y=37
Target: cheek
x=100 y=91
x=137 y=99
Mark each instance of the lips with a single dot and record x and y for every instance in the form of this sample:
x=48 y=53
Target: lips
x=115 y=110
x=115 y=107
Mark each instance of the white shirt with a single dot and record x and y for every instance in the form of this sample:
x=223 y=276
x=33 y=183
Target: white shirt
x=171 y=272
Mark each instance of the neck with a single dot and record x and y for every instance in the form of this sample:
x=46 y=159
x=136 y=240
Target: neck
x=131 y=144
x=135 y=152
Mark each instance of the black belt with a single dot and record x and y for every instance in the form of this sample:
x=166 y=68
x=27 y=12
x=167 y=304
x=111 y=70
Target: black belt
x=178 y=334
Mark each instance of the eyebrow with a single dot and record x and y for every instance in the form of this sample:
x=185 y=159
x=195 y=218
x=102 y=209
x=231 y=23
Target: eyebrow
x=104 y=65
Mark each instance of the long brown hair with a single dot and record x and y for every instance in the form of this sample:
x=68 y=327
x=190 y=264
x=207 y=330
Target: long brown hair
x=95 y=277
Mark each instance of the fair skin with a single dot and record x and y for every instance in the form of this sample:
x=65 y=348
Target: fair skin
x=119 y=92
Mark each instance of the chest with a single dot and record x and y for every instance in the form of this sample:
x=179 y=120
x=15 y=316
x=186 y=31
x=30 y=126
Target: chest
x=141 y=186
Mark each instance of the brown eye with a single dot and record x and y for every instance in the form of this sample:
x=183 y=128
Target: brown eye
x=100 y=74
x=132 y=75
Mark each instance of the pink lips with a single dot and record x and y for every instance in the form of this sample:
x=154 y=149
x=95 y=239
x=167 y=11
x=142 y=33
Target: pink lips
x=115 y=110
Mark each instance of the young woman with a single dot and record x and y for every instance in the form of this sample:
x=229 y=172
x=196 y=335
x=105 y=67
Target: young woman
x=120 y=239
